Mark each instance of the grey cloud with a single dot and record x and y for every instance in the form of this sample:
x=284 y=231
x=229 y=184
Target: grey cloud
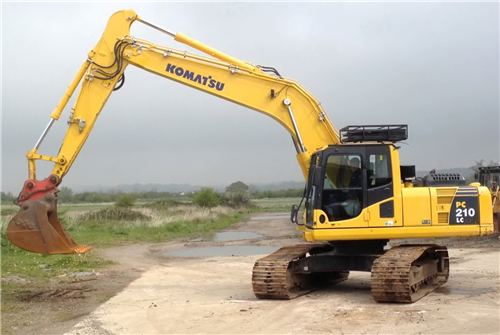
x=431 y=65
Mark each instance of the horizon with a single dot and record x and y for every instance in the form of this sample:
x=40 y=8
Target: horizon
x=190 y=187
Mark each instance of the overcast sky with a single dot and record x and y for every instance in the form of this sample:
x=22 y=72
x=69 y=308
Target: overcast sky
x=433 y=66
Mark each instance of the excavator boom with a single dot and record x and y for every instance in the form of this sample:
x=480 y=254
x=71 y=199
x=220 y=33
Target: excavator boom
x=37 y=228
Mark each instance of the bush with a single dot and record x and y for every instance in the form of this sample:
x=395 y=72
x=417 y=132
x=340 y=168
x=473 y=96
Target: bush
x=238 y=186
x=207 y=198
x=114 y=213
x=126 y=200
x=7 y=197
x=92 y=197
x=237 y=199
x=65 y=195
x=162 y=204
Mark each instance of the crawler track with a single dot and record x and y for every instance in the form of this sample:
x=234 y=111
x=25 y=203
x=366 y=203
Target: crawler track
x=404 y=274
x=272 y=277
x=407 y=273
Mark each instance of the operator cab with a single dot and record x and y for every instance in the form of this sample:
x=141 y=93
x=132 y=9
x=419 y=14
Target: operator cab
x=346 y=178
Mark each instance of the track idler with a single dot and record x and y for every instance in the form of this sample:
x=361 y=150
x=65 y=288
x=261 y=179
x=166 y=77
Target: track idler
x=36 y=228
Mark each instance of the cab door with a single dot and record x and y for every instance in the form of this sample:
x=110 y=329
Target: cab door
x=380 y=187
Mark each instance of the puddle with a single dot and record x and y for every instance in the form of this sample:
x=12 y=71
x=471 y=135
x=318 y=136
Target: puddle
x=232 y=236
x=237 y=250
x=448 y=290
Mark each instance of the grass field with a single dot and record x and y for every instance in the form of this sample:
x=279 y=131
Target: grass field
x=275 y=204
x=103 y=225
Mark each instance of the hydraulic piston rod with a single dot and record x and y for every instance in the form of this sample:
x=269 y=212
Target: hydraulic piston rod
x=180 y=37
x=45 y=131
x=288 y=103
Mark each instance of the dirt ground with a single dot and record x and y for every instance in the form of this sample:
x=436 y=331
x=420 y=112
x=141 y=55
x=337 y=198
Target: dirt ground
x=150 y=292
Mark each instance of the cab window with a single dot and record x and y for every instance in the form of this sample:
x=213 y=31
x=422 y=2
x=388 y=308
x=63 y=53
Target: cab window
x=378 y=173
x=343 y=187
x=343 y=171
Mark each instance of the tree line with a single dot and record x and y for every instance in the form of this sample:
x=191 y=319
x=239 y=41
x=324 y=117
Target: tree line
x=66 y=195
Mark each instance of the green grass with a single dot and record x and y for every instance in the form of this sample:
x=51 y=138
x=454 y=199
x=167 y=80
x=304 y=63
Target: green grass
x=165 y=221
x=105 y=227
x=275 y=204
x=37 y=267
x=63 y=208
x=110 y=233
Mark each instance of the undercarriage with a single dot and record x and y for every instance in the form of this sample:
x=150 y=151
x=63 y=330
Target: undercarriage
x=403 y=274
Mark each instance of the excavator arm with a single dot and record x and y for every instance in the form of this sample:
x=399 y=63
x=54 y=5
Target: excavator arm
x=36 y=227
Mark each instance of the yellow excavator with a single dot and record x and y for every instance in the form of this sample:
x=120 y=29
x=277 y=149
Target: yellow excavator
x=357 y=195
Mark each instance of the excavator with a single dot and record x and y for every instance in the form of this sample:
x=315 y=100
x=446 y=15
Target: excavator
x=357 y=196
x=489 y=176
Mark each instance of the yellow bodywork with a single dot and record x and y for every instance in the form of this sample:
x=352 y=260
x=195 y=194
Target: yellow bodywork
x=419 y=212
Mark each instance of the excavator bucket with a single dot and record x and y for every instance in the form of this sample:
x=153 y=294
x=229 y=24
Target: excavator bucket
x=36 y=228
